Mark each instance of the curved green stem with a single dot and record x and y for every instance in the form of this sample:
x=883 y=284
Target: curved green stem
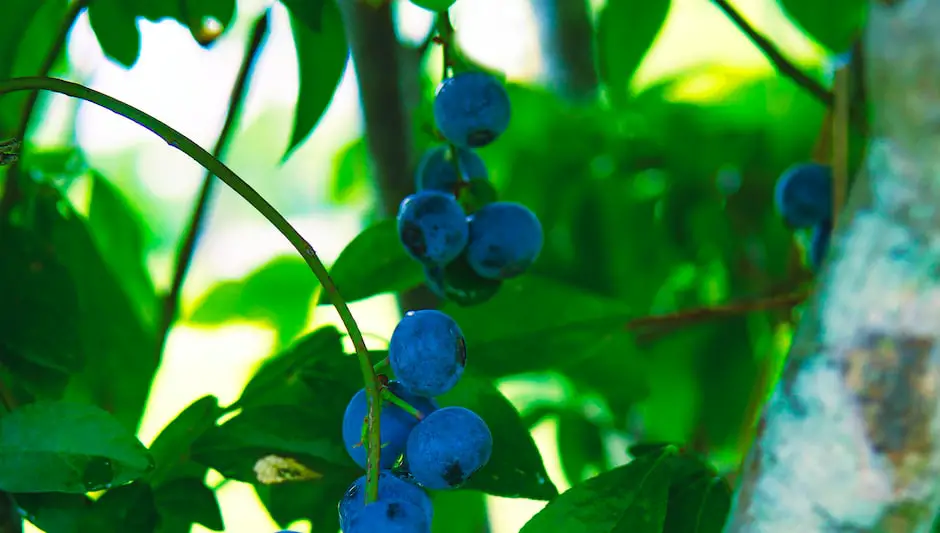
x=212 y=164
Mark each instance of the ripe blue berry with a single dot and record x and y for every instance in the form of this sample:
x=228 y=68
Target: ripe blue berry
x=391 y=488
x=505 y=239
x=394 y=425
x=459 y=283
x=448 y=447
x=436 y=170
x=389 y=516
x=803 y=194
x=427 y=352
x=471 y=109
x=819 y=244
x=432 y=227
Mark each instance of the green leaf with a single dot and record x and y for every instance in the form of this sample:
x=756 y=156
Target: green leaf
x=66 y=447
x=320 y=44
x=278 y=292
x=459 y=511
x=699 y=507
x=40 y=318
x=110 y=327
x=315 y=500
x=195 y=14
x=351 y=179
x=563 y=324
x=631 y=498
x=515 y=469
x=54 y=512
x=27 y=33
x=834 y=24
x=118 y=228
x=580 y=445
x=626 y=29
x=115 y=26
x=186 y=501
x=375 y=262
x=128 y=508
x=171 y=448
x=290 y=376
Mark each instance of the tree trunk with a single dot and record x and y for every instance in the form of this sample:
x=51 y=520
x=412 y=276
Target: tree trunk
x=566 y=36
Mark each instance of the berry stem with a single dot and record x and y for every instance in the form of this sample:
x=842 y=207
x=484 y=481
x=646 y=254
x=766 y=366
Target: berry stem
x=212 y=164
x=390 y=397
x=445 y=37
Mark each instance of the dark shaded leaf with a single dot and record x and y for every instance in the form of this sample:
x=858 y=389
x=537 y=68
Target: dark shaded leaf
x=626 y=29
x=563 y=324
x=67 y=447
x=186 y=501
x=630 y=498
x=307 y=500
x=171 y=448
x=580 y=445
x=375 y=262
x=54 y=512
x=515 y=469
x=127 y=508
x=279 y=292
x=833 y=24
x=115 y=25
x=119 y=229
x=699 y=507
x=320 y=44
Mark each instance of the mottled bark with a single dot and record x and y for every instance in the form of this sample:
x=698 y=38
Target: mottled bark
x=850 y=440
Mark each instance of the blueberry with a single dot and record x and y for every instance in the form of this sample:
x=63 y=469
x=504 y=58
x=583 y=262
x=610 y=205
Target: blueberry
x=389 y=516
x=391 y=488
x=803 y=194
x=505 y=239
x=432 y=227
x=427 y=352
x=394 y=425
x=436 y=170
x=819 y=244
x=448 y=447
x=471 y=109
x=459 y=283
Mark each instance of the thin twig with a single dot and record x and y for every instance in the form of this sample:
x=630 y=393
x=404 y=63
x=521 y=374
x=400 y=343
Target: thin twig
x=840 y=140
x=11 y=192
x=773 y=54
x=188 y=244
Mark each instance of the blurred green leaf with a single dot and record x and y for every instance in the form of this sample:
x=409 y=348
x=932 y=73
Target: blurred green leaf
x=626 y=29
x=459 y=511
x=27 y=33
x=351 y=178
x=580 y=445
x=631 y=498
x=278 y=292
x=375 y=262
x=171 y=448
x=110 y=327
x=128 y=508
x=834 y=24
x=197 y=12
x=40 y=316
x=54 y=512
x=562 y=325
x=67 y=447
x=187 y=501
x=515 y=469
x=115 y=25
x=315 y=500
x=118 y=228
x=320 y=44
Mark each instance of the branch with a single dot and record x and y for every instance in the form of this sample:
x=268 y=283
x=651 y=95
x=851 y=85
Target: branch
x=187 y=247
x=380 y=62
x=567 y=41
x=780 y=62
x=850 y=439
x=11 y=191
x=198 y=154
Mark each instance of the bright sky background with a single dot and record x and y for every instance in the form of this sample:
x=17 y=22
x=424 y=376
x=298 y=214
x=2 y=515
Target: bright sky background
x=187 y=86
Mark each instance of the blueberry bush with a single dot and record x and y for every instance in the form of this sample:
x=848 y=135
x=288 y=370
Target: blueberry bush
x=633 y=259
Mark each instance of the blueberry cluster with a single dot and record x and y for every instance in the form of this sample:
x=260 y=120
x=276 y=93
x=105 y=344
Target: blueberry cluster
x=424 y=446
x=466 y=252
x=803 y=196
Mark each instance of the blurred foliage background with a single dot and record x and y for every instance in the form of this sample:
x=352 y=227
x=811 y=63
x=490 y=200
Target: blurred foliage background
x=655 y=199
